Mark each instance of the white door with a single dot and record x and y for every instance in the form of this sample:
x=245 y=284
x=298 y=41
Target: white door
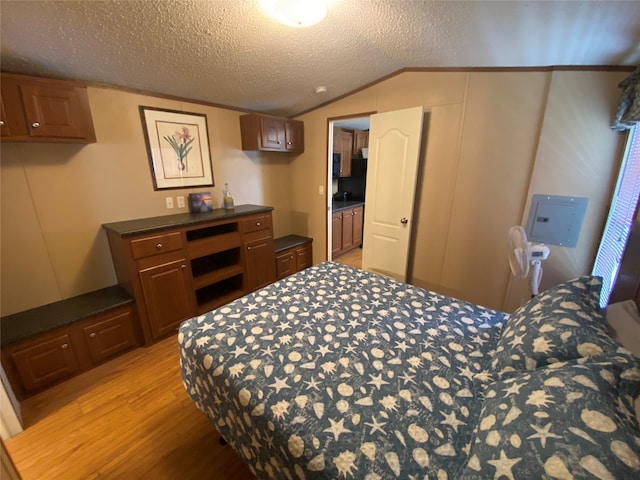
x=394 y=151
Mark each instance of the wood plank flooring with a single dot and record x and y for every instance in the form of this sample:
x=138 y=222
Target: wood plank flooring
x=352 y=258
x=129 y=418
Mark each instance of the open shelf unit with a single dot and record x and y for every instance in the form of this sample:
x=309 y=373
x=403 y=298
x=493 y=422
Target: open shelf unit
x=216 y=263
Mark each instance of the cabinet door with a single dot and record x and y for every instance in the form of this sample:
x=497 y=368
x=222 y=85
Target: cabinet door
x=360 y=141
x=272 y=133
x=304 y=257
x=167 y=296
x=294 y=136
x=346 y=137
x=53 y=111
x=357 y=226
x=336 y=234
x=259 y=263
x=347 y=229
x=110 y=335
x=4 y=123
x=46 y=361
x=285 y=264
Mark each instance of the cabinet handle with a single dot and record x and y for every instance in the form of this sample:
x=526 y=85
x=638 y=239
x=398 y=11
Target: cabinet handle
x=35 y=124
x=65 y=345
x=92 y=335
x=159 y=246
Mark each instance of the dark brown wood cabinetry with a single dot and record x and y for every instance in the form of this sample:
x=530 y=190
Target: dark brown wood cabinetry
x=42 y=360
x=45 y=110
x=346 y=230
x=271 y=134
x=360 y=141
x=343 y=144
x=189 y=268
x=293 y=254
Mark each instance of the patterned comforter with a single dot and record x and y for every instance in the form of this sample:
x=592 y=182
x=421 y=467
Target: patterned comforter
x=338 y=373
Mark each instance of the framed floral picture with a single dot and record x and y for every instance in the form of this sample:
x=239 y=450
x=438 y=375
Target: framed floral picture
x=178 y=148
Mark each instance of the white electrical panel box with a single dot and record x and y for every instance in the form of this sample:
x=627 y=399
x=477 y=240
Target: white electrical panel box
x=556 y=220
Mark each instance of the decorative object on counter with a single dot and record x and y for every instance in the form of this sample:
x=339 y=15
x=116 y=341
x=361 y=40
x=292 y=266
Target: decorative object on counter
x=227 y=199
x=178 y=148
x=200 y=202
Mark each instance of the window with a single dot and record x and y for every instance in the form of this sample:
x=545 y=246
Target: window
x=623 y=208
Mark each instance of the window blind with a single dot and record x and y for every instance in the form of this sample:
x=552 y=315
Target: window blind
x=623 y=207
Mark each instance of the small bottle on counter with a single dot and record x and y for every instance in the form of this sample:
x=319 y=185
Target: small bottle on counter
x=227 y=199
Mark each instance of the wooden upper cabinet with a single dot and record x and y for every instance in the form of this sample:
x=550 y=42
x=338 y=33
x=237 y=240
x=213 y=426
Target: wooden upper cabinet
x=294 y=136
x=45 y=110
x=360 y=141
x=271 y=134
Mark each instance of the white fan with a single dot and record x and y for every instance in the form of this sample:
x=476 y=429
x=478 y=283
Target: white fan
x=523 y=254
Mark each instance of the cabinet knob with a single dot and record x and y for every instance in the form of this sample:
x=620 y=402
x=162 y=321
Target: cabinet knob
x=159 y=246
x=288 y=143
x=65 y=345
x=1 y=123
x=279 y=143
x=92 y=335
x=404 y=221
x=35 y=124
x=257 y=224
x=183 y=266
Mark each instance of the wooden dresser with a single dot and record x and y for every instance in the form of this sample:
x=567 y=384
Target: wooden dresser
x=179 y=266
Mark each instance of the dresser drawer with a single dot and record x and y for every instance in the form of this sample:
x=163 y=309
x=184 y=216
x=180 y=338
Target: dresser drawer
x=257 y=222
x=148 y=246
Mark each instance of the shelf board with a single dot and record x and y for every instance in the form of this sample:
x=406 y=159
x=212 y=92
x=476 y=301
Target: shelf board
x=219 y=301
x=214 y=244
x=217 y=275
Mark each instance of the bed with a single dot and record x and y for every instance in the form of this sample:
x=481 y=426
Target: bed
x=334 y=373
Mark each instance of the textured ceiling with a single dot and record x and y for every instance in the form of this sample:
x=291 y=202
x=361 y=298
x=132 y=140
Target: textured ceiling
x=229 y=52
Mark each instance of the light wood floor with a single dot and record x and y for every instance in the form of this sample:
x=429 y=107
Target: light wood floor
x=352 y=258
x=129 y=418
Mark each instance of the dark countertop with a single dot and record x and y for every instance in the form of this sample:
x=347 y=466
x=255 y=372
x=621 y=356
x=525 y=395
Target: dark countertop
x=128 y=228
x=337 y=205
x=58 y=314
x=289 y=241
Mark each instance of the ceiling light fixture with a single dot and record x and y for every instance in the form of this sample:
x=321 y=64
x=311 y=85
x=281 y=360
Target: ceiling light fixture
x=296 y=13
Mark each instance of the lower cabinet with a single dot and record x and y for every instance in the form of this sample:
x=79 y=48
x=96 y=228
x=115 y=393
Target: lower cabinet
x=193 y=266
x=43 y=360
x=260 y=268
x=346 y=226
x=293 y=253
x=166 y=294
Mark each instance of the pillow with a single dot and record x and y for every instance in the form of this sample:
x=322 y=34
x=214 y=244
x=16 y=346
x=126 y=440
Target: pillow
x=623 y=322
x=563 y=323
x=563 y=422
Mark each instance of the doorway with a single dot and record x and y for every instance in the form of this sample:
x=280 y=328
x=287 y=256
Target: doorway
x=346 y=185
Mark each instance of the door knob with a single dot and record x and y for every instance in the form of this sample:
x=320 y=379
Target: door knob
x=404 y=221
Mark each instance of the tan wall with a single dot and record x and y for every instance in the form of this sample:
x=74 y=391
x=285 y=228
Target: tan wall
x=54 y=198
x=493 y=140
x=487 y=133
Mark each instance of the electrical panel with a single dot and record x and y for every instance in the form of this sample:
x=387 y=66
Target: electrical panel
x=556 y=220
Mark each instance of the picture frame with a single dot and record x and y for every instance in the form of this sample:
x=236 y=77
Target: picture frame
x=178 y=148
x=200 y=202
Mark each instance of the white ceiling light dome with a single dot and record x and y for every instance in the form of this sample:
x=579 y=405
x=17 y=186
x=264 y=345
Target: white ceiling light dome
x=296 y=13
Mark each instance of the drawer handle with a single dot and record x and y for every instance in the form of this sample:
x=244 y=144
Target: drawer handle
x=159 y=246
x=35 y=124
x=92 y=335
x=65 y=345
